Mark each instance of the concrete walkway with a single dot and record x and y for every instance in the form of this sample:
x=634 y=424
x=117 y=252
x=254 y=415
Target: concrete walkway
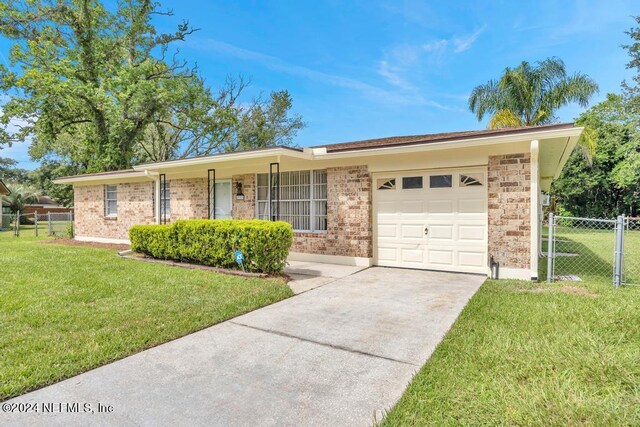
x=310 y=275
x=336 y=355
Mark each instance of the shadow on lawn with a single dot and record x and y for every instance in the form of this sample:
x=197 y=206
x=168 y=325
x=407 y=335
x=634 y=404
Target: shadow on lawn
x=586 y=255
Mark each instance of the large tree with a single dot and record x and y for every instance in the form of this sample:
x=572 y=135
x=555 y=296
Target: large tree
x=607 y=186
x=102 y=89
x=529 y=95
x=230 y=125
x=85 y=82
x=610 y=185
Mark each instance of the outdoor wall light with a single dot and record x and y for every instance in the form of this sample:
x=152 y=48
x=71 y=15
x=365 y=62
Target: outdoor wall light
x=239 y=195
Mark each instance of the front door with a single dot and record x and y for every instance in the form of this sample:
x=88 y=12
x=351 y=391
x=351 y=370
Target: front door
x=223 y=200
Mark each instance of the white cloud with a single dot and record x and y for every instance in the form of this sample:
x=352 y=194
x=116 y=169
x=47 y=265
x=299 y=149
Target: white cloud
x=277 y=64
x=464 y=43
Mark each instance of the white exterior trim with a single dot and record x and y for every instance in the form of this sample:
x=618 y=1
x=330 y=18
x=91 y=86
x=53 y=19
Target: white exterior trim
x=331 y=259
x=102 y=240
x=514 y=273
x=534 y=208
x=458 y=143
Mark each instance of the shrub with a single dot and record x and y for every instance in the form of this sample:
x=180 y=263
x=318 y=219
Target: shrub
x=265 y=244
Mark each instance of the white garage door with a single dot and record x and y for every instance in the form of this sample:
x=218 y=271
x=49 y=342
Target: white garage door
x=432 y=219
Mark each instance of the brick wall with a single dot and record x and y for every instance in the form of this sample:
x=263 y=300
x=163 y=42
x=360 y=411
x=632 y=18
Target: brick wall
x=509 y=209
x=244 y=209
x=135 y=206
x=349 y=230
x=188 y=198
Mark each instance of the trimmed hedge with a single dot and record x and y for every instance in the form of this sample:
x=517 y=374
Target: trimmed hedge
x=212 y=242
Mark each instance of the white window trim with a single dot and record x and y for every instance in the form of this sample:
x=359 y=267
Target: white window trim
x=312 y=208
x=107 y=200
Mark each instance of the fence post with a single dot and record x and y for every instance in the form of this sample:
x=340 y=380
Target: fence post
x=35 y=222
x=16 y=230
x=49 y=223
x=551 y=250
x=619 y=251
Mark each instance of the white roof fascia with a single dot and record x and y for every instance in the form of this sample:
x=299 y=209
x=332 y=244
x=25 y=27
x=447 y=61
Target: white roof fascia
x=223 y=158
x=100 y=177
x=459 y=143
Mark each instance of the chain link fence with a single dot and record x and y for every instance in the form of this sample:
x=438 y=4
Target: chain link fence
x=592 y=249
x=38 y=224
x=631 y=260
x=580 y=248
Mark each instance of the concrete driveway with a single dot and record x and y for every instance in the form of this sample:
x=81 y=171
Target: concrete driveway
x=337 y=355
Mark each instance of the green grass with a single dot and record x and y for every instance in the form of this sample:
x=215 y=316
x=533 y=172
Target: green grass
x=65 y=310
x=566 y=353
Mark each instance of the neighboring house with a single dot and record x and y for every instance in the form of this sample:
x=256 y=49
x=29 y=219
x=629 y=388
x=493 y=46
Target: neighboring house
x=44 y=205
x=5 y=218
x=450 y=201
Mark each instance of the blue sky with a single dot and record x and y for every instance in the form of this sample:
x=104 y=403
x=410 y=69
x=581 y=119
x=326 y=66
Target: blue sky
x=367 y=69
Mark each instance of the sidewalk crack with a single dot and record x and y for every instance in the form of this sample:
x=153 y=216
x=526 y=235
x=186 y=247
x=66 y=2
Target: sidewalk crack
x=324 y=344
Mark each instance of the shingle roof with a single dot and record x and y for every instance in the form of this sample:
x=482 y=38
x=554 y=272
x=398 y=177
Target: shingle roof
x=435 y=137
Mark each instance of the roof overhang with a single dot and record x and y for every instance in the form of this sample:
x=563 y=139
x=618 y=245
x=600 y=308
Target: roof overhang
x=106 y=177
x=573 y=132
x=555 y=147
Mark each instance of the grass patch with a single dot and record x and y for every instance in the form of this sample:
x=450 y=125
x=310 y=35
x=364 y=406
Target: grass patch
x=65 y=310
x=521 y=353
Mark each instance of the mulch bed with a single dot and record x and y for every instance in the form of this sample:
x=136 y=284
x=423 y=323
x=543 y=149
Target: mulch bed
x=142 y=257
x=72 y=242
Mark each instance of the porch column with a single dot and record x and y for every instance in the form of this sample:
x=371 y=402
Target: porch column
x=211 y=193
x=156 y=201
x=535 y=209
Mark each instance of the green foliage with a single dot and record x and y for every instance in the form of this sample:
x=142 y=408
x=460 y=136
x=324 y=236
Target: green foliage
x=42 y=180
x=266 y=124
x=100 y=88
x=265 y=244
x=530 y=95
x=610 y=185
x=10 y=173
x=20 y=197
x=87 y=81
x=69 y=231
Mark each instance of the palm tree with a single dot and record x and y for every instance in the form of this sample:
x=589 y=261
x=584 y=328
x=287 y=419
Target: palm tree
x=19 y=197
x=529 y=95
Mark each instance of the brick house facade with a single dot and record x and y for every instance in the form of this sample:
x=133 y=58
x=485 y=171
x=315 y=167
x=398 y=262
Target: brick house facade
x=457 y=200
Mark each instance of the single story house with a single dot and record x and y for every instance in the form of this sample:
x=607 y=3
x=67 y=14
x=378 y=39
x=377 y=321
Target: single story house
x=450 y=201
x=44 y=205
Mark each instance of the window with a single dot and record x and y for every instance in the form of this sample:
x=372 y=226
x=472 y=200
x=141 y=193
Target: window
x=473 y=179
x=303 y=199
x=111 y=200
x=387 y=184
x=411 y=182
x=165 y=200
x=440 y=181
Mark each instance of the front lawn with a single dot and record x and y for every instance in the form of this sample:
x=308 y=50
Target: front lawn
x=522 y=353
x=64 y=310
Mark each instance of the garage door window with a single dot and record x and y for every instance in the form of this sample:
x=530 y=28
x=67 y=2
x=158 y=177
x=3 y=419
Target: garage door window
x=440 y=181
x=470 y=180
x=411 y=182
x=387 y=184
